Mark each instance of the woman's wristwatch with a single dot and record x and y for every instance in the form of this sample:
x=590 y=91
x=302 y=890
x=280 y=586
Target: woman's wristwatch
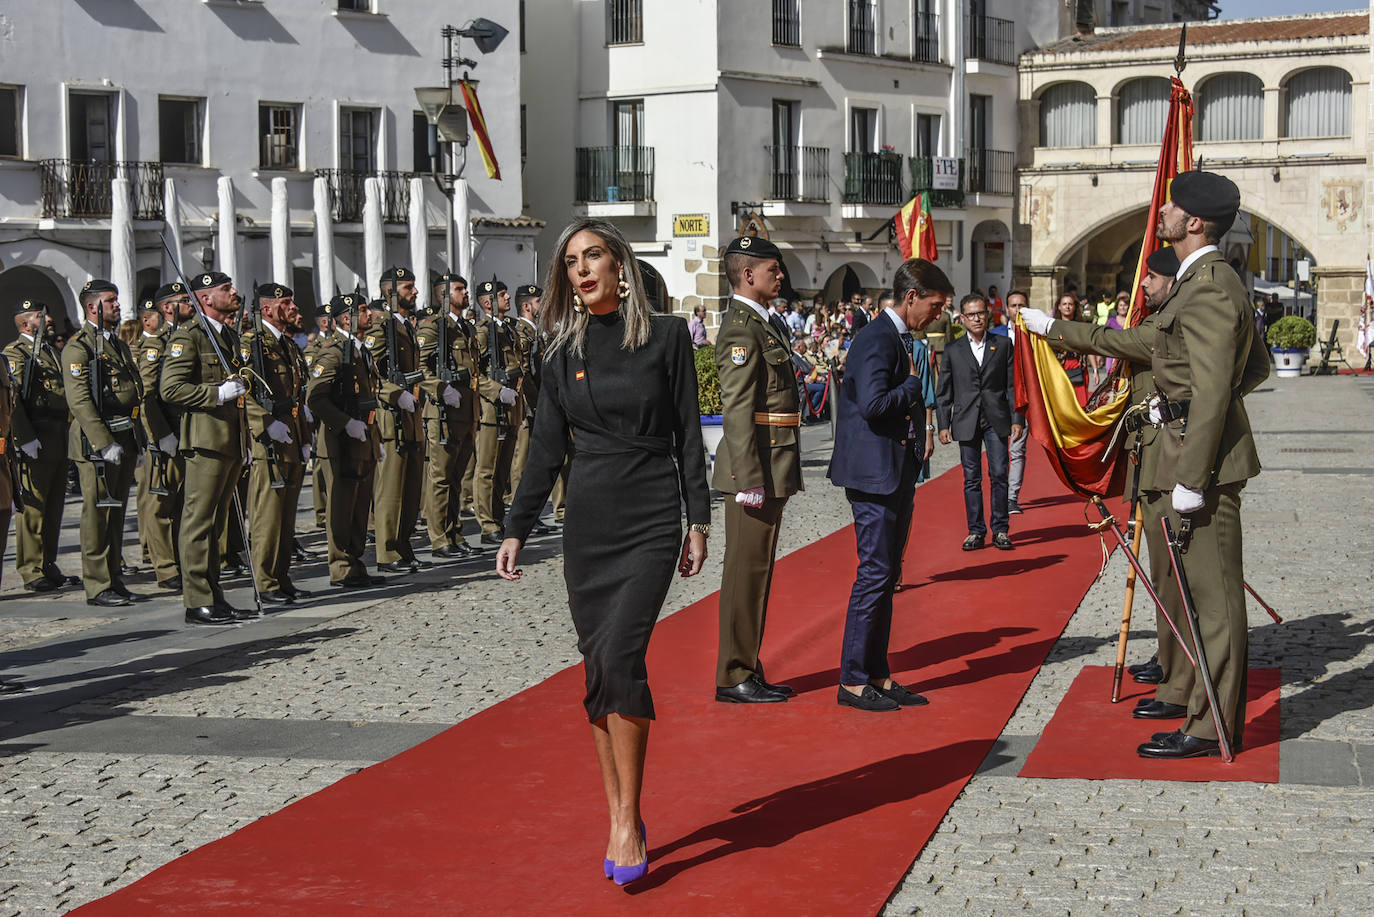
x=930 y=427
x=702 y=527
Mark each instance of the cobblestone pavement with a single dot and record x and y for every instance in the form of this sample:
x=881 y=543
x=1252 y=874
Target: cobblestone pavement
x=145 y=739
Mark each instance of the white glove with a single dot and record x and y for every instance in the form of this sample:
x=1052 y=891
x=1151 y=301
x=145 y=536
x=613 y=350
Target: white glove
x=230 y=390
x=112 y=453
x=139 y=459
x=356 y=429
x=1037 y=322
x=752 y=497
x=30 y=448
x=1187 y=500
x=168 y=444
x=406 y=401
x=453 y=397
x=309 y=418
x=507 y=396
x=381 y=453
x=1154 y=414
x=279 y=432
x=305 y=452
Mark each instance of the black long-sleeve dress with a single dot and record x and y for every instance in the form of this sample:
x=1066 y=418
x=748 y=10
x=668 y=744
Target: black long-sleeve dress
x=639 y=455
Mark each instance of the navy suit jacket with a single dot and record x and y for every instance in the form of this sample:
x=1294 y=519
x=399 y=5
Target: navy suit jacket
x=878 y=401
x=967 y=391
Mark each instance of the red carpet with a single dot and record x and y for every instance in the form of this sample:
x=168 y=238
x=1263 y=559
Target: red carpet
x=1087 y=719
x=802 y=808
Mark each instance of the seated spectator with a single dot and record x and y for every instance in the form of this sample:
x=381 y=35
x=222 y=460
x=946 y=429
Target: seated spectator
x=813 y=376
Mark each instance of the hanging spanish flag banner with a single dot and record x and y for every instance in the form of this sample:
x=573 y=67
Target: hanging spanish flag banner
x=1082 y=442
x=916 y=229
x=479 y=127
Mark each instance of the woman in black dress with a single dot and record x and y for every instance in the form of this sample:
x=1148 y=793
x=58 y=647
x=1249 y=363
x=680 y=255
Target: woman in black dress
x=622 y=382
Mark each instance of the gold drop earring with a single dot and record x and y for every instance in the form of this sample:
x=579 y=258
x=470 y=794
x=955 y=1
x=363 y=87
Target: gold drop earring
x=577 y=304
x=622 y=289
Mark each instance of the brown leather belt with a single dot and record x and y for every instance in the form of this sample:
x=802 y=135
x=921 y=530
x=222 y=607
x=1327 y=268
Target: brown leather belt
x=768 y=419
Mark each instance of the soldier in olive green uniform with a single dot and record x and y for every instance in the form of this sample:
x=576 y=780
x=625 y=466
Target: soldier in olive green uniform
x=317 y=485
x=758 y=463
x=526 y=327
x=1205 y=357
x=159 y=515
x=39 y=432
x=212 y=440
x=396 y=504
x=502 y=410
x=450 y=412
x=280 y=440
x=103 y=392
x=9 y=483
x=342 y=394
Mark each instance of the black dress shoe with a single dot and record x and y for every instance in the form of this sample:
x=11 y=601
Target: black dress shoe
x=399 y=566
x=1179 y=745
x=448 y=552
x=276 y=597
x=1002 y=541
x=750 y=691
x=784 y=690
x=109 y=599
x=207 y=614
x=244 y=614
x=298 y=595
x=973 y=543
x=1145 y=702
x=301 y=554
x=1152 y=675
x=359 y=581
x=1142 y=666
x=492 y=538
x=122 y=590
x=173 y=584
x=869 y=699
x=42 y=584
x=418 y=564
x=902 y=695
x=128 y=569
x=60 y=579
x=542 y=529
x=1160 y=710
x=12 y=687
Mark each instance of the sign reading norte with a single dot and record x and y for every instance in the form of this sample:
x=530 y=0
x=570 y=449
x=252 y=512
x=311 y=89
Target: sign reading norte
x=691 y=224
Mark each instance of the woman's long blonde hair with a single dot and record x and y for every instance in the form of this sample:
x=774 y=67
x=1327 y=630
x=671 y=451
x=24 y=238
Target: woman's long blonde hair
x=568 y=326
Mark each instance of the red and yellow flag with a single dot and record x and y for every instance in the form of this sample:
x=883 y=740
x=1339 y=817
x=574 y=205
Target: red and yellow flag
x=479 y=128
x=916 y=229
x=1082 y=443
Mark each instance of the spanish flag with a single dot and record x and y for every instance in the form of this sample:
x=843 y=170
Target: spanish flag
x=916 y=229
x=479 y=127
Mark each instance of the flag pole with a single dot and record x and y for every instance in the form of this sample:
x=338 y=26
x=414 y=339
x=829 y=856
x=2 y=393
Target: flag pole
x=1136 y=526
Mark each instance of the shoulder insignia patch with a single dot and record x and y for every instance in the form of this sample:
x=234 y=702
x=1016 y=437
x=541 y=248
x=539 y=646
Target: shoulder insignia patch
x=10 y=364
x=176 y=349
x=150 y=354
x=420 y=341
x=738 y=355
x=317 y=372
x=76 y=369
x=247 y=354
x=371 y=343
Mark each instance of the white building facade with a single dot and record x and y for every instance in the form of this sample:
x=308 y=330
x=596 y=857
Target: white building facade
x=270 y=133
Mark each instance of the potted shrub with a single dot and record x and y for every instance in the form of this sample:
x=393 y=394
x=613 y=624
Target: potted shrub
x=708 y=399
x=1291 y=339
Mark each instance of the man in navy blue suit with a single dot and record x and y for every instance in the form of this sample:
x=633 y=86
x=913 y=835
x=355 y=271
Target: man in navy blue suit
x=975 y=406
x=880 y=444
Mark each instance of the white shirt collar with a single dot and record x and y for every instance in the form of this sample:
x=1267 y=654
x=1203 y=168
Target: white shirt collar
x=218 y=326
x=272 y=328
x=26 y=336
x=1187 y=262
x=106 y=334
x=762 y=312
x=897 y=320
x=530 y=323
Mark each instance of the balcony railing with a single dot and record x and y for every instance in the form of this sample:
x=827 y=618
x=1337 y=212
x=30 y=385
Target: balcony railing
x=787 y=23
x=346 y=194
x=863 y=33
x=74 y=188
x=873 y=178
x=991 y=39
x=624 y=22
x=927 y=47
x=923 y=179
x=799 y=173
x=991 y=171
x=607 y=174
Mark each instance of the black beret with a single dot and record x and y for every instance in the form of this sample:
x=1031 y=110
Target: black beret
x=376 y=305
x=1163 y=261
x=209 y=280
x=490 y=287
x=28 y=305
x=398 y=274
x=99 y=286
x=450 y=278
x=274 y=291
x=340 y=304
x=168 y=290
x=1206 y=195
x=527 y=290
x=753 y=246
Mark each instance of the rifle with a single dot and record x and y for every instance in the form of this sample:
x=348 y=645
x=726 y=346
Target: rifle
x=398 y=377
x=19 y=462
x=345 y=380
x=497 y=367
x=98 y=393
x=231 y=372
x=262 y=393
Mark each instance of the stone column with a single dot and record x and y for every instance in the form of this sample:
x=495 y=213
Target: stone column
x=1340 y=293
x=1044 y=285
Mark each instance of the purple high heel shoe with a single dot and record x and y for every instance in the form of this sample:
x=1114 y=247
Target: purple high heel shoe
x=608 y=865
x=624 y=875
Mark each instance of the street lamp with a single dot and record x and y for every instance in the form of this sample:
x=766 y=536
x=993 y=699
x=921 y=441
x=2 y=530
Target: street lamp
x=448 y=123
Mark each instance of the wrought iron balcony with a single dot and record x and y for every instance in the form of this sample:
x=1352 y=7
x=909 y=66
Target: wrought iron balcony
x=990 y=39
x=75 y=189
x=991 y=172
x=608 y=174
x=624 y=22
x=346 y=194
x=786 y=23
x=873 y=178
x=862 y=37
x=923 y=179
x=798 y=173
x=927 y=47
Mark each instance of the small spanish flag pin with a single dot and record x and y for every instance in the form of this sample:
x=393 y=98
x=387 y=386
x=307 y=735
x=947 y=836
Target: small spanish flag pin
x=581 y=374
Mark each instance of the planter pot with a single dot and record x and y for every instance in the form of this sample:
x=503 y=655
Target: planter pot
x=712 y=432
x=1288 y=361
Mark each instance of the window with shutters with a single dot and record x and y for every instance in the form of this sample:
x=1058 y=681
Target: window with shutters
x=10 y=109
x=358 y=139
x=180 y=123
x=279 y=136
x=624 y=22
